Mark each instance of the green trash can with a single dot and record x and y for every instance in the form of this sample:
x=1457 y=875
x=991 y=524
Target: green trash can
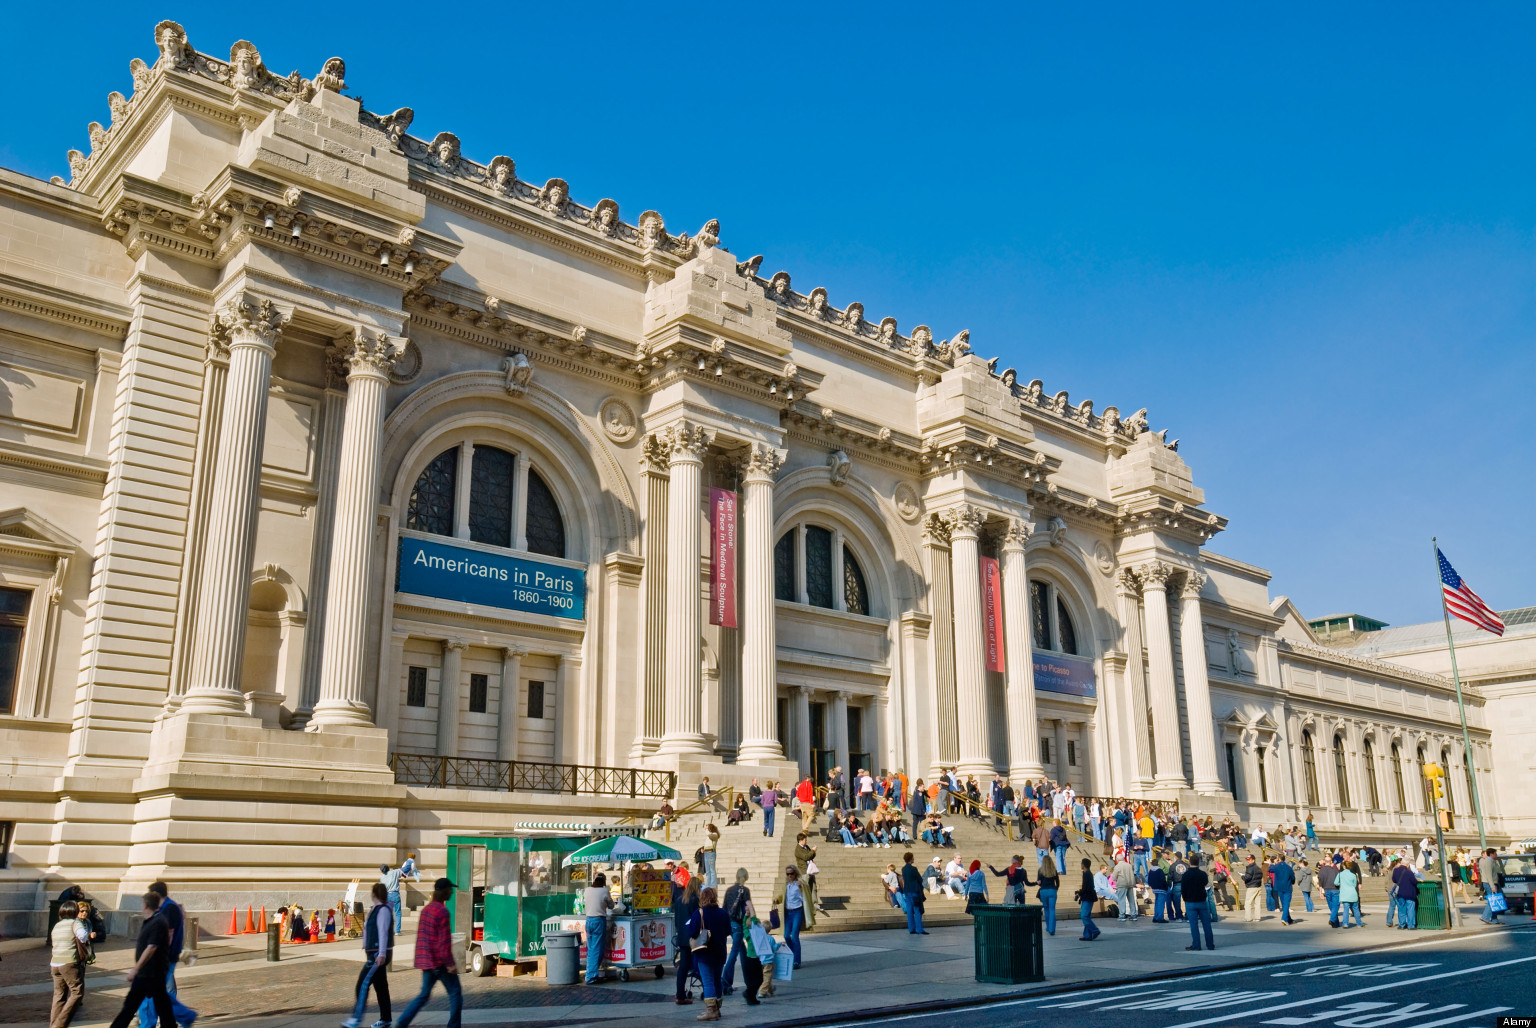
x=1009 y=944
x=1431 y=912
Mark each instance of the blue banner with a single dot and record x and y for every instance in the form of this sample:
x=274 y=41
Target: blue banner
x=1055 y=673
x=449 y=572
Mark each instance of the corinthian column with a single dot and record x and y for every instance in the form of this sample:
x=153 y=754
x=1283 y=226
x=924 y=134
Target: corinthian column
x=367 y=358
x=687 y=444
x=1023 y=734
x=224 y=594
x=970 y=662
x=759 y=646
x=1197 y=688
x=1165 y=699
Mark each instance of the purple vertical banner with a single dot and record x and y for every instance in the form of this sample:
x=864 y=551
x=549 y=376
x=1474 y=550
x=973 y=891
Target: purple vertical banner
x=992 y=612
x=722 y=557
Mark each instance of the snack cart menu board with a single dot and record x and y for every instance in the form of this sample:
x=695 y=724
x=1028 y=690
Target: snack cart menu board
x=652 y=890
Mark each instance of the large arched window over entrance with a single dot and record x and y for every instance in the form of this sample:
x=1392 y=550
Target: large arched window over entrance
x=1309 y=767
x=1050 y=622
x=493 y=512
x=812 y=565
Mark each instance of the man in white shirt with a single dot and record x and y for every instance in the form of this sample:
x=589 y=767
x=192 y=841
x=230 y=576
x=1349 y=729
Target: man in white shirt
x=954 y=877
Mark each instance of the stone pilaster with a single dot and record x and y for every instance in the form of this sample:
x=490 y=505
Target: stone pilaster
x=367 y=357
x=1197 y=688
x=970 y=657
x=942 y=598
x=452 y=671
x=1023 y=722
x=684 y=682
x=333 y=414
x=840 y=741
x=253 y=326
x=759 y=646
x=800 y=710
x=1063 y=768
x=656 y=471
x=1154 y=577
x=1127 y=591
x=509 y=711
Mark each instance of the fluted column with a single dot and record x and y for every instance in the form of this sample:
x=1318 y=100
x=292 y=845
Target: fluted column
x=367 y=358
x=941 y=590
x=1165 y=698
x=452 y=670
x=1197 y=688
x=1023 y=722
x=508 y=711
x=687 y=444
x=970 y=659
x=224 y=594
x=840 y=733
x=759 y=640
x=1127 y=591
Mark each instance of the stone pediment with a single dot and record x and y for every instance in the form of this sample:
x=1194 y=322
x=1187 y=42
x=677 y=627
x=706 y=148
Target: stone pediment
x=20 y=528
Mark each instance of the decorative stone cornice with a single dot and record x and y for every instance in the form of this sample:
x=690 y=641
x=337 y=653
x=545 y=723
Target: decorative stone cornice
x=249 y=320
x=1324 y=655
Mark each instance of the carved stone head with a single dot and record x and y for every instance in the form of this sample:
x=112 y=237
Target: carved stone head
x=779 y=286
x=501 y=174
x=605 y=217
x=1010 y=377
x=244 y=65
x=818 y=303
x=445 y=150
x=1034 y=391
x=171 y=38
x=333 y=75
x=888 y=331
x=554 y=196
x=853 y=317
x=652 y=230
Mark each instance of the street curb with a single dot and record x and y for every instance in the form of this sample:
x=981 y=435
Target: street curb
x=939 y=1006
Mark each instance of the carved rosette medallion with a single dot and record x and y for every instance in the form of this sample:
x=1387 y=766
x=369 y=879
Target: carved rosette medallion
x=407 y=365
x=1103 y=558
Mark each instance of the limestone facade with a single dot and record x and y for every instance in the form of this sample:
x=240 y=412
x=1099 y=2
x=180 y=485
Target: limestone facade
x=323 y=444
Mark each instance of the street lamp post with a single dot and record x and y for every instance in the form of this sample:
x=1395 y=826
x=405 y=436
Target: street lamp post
x=1436 y=775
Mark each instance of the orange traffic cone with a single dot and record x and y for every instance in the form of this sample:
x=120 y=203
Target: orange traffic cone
x=250 y=920
x=234 y=921
x=263 y=929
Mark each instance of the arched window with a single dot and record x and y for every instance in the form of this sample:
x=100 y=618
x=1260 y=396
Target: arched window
x=431 y=505
x=492 y=514
x=1309 y=767
x=784 y=567
x=1369 y=755
x=1397 y=778
x=1471 y=785
x=1050 y=623
x=1339 y=770
x=1445 y=767
x=818 y=566
x=855 y=593
x=546 y=528
x=1423 y=782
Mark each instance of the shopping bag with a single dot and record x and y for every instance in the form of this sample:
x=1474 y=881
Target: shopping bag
x=762 y=942
x=784 y=964
x=810 y=867
x=1497 y=903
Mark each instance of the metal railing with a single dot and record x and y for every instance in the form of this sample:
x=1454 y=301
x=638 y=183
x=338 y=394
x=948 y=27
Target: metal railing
x=527 y=776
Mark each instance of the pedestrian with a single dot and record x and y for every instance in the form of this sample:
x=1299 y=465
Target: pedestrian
x=176 y=926
x=805 y=864
x=1087 y=895
x=71 y=942
x=975 y=886
x=768 y=800
x=1049 y=881
x=707 y=930
x=751 y=959
x=151 y=959
x=1176 y=870
x=1041 y=837
x=805 y=796
x=738 y=899
x=597 y=901
x=1221 y=874
x=917 y=806
x=792 y=898
x=1304 y=882
x=1311 y=834
x=1017 y=879
x=911 y=895
x=1253 y=889
x=378 y=954
x=1328 y=881
x=1283 y=878
x=1491 y=874
x=390 y=876
x=707 y=851
x=1192 y=888
x=1348 y=882
x=1059 y=843
x=1406 y=883
x=1123 y=881
x=1157 y=881
x=685 y=903
x=434 y=957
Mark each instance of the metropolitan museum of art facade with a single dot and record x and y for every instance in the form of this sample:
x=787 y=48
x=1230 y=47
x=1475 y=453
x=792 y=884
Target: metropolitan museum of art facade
x=353 y=491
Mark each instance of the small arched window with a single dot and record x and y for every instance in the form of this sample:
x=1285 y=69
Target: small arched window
x=431 y=504
x=1445 y=768
x=1309 y=768
x=1369 y=755
x=546 y=528
x=1397 y=778
x=855 y=593
x=1339 y=771
x=1050 y=623
x=1423 y=782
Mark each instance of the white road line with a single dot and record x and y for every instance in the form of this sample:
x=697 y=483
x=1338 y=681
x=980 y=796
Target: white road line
x=1231 y=1017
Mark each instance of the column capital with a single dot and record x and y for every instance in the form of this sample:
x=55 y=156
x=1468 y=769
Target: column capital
x=1016 y=535
x=964 y=520
x=761 y=463
x=685 y=442
x=1154 y=574
x=655 y=458
x=1194 y=581
x=936 y=529
x=842 y=694
x=217 y=347
x=455 y=644
x=509 y=652
x=249 y=320
x=363 y=352
x=1127 y=584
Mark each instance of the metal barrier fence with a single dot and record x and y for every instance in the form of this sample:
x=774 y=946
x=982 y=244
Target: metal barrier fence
x=525 y=776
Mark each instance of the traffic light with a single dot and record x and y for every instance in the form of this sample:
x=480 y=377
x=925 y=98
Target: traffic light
x=1436 y=776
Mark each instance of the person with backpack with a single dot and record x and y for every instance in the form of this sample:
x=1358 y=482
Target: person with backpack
x=704 y=859
x=378 y=953
x=738 y=900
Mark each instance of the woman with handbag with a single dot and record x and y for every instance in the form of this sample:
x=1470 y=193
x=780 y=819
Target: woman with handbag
x=792 y=897
x=71 y=942
x=708 y=928
x=685 y=907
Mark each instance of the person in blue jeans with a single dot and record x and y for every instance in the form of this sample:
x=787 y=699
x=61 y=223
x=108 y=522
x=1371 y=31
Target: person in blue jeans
x=1283 y=878
x=911 y=895
x=792 y=896
x=434 y=958
x=1192 y=889
x=597 y=901
x=1049 y=880
x=1157 y=881
x=175 y=920
x=769 y=801
x=1059 y=843
x=1087 y=896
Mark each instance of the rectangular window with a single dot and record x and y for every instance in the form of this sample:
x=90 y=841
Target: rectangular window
x=13 y=630
x=536 y=700
x=479 y=685
x=1263 y=778
x=7 y=831
x=1071 y=752
x=1232 y=768
x=1045 y=750
x=416 y=687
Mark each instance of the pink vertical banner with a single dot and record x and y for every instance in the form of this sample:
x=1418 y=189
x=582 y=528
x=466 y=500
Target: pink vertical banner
x=992 y=611
x=722 y=557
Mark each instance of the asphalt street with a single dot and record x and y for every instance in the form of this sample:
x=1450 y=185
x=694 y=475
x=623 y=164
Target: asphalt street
x=1465 y=981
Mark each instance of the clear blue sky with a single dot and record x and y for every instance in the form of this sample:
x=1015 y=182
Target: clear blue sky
x=1302 y=235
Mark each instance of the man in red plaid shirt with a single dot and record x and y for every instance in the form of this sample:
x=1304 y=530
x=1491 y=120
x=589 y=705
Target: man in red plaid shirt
x=434 y=957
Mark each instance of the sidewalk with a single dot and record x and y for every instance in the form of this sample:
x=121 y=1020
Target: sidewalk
x=843 y=973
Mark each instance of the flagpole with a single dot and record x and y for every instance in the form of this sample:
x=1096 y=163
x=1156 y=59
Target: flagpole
x=1466 y=737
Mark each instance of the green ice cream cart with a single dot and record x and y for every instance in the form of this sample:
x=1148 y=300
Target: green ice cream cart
x=507 y=883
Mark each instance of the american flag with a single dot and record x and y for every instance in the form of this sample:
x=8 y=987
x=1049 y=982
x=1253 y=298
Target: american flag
x=1463 y=602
